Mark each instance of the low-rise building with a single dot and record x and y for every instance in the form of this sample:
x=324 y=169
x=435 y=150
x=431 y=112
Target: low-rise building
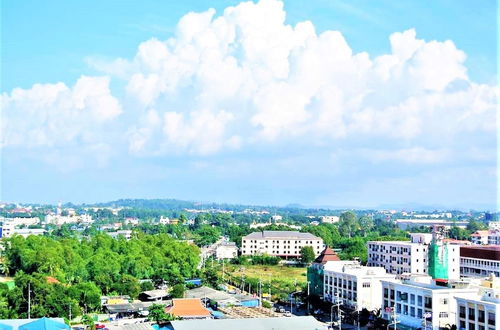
x=329 y=219
x=356 y=286
x=226 y=250
x=479 y=237
x=280 y=243
x=480 y=261
x=127 y=234
x=418 y=300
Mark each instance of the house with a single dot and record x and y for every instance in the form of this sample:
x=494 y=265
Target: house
x=153 y=295
x=188 y=308
x=479 y=237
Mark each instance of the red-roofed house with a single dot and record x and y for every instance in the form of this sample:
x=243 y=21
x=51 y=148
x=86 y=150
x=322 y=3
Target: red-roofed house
x=188 y=308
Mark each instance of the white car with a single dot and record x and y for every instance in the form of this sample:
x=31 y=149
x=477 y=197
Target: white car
x=288 y=314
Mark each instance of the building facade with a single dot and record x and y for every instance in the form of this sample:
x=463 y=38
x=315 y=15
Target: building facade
x=280 y=243
x=226 y=250
x=356 y=286
x=480 y=261
x=415 y=257
x=418 y=302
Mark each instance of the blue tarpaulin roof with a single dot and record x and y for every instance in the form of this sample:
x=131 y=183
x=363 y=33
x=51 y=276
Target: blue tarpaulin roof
x=44 y=324
x=4 y=326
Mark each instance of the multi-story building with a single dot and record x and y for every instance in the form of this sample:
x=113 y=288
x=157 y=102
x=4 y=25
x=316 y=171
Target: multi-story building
x=409 y=223
x=356 y=286
x=226 y=250
x=480 y=261
x=479 y=237
x=480 y=310
x=9 y=229
x=418 y=300
x=280 y=243
x=486 y=237
x=400 y=257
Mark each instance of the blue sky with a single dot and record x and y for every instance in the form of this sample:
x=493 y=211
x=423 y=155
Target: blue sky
x=366 y=104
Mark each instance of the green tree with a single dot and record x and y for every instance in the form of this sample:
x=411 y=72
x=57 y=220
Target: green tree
x=307 y=254
x=157 y=313
x=348 y=223
x=366 y=224
x=88 y=321
x=178 y=291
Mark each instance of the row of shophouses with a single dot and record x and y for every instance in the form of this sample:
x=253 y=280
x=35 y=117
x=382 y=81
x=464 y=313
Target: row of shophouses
x=427 y=283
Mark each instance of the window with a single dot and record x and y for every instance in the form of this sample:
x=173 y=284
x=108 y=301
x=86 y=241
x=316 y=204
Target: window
x=412 y=299
x=491 y=318
x=366 y=284
x=462 y=312
x=386 y=293
x=480 y=316
x=443 y=315
x=472 y=314
x=412 y=311
x=444 y=301
x=419 y=300
x=419 y=313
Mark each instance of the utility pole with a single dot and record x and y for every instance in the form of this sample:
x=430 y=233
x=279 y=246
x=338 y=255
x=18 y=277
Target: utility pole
x=29 y=300
x=308 y=283
x=394 y=319
x=339 y=311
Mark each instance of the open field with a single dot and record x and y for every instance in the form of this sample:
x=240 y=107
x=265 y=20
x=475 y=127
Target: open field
x=266 y=273
x=279 y=280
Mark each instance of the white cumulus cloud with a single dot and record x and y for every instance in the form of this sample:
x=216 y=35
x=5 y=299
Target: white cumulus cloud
x=54 y=114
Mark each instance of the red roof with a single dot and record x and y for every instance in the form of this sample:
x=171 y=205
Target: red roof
x=480 y=233
x=327 y=255
x=188 y=308
x=489 y=252
x=52 y=280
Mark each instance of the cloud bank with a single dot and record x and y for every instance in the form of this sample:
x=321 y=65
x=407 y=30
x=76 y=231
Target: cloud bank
x=246 y=79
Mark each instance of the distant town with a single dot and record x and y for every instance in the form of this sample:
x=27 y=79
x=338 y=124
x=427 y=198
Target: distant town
x=170 y=264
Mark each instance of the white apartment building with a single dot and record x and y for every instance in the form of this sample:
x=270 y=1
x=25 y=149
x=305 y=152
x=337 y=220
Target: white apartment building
x=9 y=228
x=402 y=257
x=408 y=223
x=479 y=311
x=21 y=221
x=280 y=243
x=417 y=296
x=479 y=261
x=226 y=250
x=356 y=286
x=59 y=220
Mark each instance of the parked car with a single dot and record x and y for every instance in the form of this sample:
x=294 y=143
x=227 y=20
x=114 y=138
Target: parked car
x=288 y=314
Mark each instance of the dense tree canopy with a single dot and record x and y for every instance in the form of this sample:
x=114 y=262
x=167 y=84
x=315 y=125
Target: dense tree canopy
x=83 y=269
